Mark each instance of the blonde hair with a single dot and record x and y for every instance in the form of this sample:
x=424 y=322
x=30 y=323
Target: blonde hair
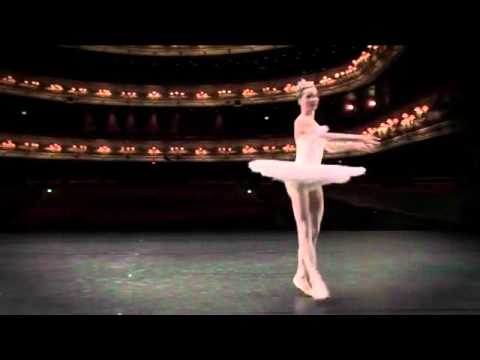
x=303 y=85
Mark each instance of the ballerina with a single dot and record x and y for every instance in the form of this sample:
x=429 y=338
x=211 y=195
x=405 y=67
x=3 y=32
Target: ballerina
x=304 y=179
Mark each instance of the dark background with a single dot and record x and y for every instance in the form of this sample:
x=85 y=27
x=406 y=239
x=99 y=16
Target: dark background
x=409 y=187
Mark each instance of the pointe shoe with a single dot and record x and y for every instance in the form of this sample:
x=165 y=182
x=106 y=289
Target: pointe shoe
x=301 y=286
x=321 y=292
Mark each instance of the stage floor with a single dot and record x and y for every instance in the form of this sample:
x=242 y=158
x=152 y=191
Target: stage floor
x=368 y=272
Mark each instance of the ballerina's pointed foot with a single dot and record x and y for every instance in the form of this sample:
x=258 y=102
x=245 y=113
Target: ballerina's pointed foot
x=320 y=292
x=302 y=285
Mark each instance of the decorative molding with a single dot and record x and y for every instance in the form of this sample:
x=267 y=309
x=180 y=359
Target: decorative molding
x=177 y=50
x=263 y=147
x=336 y=80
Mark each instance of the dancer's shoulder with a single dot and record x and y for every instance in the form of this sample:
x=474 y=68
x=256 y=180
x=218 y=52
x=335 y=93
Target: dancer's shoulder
x=304 y=124
x=302 y=127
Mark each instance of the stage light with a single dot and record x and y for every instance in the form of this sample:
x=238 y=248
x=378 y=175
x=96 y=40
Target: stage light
x=266 y=117
x=104 y=93
x=202 y=95
x=371 y=103
x=55 y=88
x=248 y=93
x=24 y=113
x=54 y=148
x=249 y=191
x=154 y=95
x=289 y=88
x=49 y=191
x=349 y=107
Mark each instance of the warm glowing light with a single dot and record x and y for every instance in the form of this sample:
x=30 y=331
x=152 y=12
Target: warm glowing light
x=202 y=95
x=225 y=92
x=78 y=148
x=30 y=145
x=269 y=148
x=289 y=148
x=9 y=80
x=55 y=88
x=104 y=93
x=201 y=151
x=104 y=150
x=225 y=150
x=30 y=83
x=154 y=151
x=79 y=91
x=154 y=95
x=128 y=94
x=247 y=149
x=54 y=148
x=289 y=88
x=270 y=91
x=177 y=94
x=127 y=149
x=8 y=145
x=248 y=93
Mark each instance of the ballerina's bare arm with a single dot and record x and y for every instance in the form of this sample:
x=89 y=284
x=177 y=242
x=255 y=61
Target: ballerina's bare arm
x=302 y=128
x=368 y=140
x=342 y=142
x=342 y=146
x=342 y=136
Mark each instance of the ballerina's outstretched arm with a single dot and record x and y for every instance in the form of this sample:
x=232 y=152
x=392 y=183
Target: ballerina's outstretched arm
x=342 y=142
x=339 y=146
x=324 y=132
x=368 y=139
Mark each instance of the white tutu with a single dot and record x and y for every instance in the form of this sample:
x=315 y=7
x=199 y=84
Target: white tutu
x=307 y=167
x=305 y=173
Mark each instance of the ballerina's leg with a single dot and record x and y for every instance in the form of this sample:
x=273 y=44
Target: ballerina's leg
x=317 y=211
x=307 y=215
x=311 y=279
x=300 y=209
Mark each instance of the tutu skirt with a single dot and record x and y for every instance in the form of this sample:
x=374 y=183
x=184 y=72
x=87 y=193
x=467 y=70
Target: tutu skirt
x=313 y=174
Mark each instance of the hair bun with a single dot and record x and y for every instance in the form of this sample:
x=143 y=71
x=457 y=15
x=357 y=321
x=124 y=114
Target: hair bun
x=304 y=84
